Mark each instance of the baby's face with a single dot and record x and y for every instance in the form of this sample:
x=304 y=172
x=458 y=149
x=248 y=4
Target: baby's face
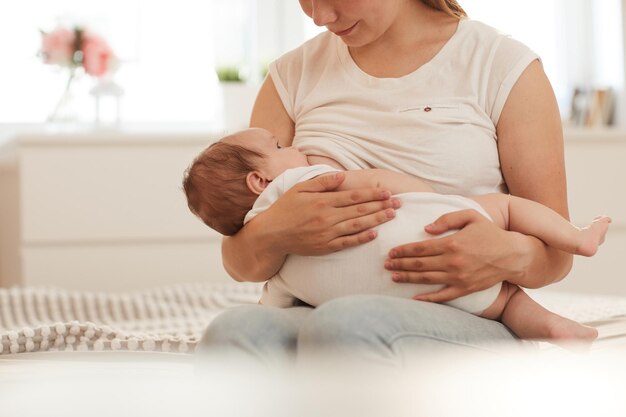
x=277 y=159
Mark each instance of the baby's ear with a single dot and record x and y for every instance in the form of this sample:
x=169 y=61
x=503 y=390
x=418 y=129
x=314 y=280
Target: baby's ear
x=256 y=182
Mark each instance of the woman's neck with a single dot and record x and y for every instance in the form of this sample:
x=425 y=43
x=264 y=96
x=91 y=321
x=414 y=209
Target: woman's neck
x=416 y=36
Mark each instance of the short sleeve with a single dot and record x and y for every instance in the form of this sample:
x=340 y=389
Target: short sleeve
x=509 y=60
x=286 y=73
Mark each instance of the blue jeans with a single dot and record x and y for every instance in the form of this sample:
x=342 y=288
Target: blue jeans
x=361 y=328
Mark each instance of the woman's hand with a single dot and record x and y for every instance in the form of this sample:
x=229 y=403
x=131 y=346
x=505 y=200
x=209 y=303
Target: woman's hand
x=308 y=220
x=476 y=257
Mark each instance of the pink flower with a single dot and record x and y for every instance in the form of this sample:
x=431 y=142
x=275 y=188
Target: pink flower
x=57 y=47
x=77 y=47
x=97 y=54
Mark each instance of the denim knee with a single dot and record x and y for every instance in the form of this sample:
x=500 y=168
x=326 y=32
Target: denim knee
x=346 y=321
x=254 y=332
x=245 y=325
x=386 y=327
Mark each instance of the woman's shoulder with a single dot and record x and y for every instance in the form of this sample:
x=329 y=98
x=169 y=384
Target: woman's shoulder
x=501 y=57
x=481 y=30
x=489 y=37
x=310 y=49
x=303 y=66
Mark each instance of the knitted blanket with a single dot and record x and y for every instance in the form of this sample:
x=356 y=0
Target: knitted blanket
x=172 y=319
x=168 y=319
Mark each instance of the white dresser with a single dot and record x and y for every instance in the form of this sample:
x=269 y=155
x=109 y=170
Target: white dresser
x=596 y=183
x=97 y=210
x=102 y=210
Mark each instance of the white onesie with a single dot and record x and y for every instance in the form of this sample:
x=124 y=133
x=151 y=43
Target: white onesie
x=360 y=270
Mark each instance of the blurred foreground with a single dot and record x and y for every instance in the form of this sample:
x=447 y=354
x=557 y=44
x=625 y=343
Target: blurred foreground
x=519 y=383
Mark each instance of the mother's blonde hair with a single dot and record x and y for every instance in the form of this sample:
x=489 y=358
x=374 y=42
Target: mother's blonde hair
x=450 y=7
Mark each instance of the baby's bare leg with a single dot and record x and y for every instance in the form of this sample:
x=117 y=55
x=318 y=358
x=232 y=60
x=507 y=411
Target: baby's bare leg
x=531 y=218
x=529 y=320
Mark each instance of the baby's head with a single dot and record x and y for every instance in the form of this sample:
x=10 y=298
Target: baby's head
x=223 y=182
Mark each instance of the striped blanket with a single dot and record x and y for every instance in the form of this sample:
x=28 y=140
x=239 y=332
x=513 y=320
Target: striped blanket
x=168 y=319
x=172 y=319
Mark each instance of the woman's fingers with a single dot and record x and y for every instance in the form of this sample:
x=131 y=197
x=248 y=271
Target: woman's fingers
x=406 y=268
x=366 y=195
x=344 y=242
x=341 y=198
x=443 y=295
x=452 y=221
x=430 y=247
x=336 y=220
x=378 y=215
x=427 y=278
x=320 y=183
x=386 y=209
x=431 y=276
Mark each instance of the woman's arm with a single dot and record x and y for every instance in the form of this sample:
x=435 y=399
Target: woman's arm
x=270 y=114
x=394 y=182
x=530 y=144
x=306 y=220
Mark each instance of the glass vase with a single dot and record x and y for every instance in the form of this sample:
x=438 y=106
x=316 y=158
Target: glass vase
x=70 y=106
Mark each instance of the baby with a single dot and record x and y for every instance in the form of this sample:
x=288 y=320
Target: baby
x=241 y=175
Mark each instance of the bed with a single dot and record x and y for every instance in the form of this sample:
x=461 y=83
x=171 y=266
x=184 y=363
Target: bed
x=163 y=319
x=128 y=354
x=171 y=319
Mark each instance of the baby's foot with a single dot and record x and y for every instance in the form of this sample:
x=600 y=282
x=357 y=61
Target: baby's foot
x=593 y=236
x=571 y=335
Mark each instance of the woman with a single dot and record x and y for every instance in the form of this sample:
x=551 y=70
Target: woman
x=409 y=85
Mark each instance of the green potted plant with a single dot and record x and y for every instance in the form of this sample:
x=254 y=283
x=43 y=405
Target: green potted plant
x=238 y=94
x=228 y=74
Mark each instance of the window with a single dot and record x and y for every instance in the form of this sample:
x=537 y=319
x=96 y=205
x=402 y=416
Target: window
x=579 y=41
x=169 y=49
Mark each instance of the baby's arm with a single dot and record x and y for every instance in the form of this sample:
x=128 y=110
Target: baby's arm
x=394 y=182
x=534 y=219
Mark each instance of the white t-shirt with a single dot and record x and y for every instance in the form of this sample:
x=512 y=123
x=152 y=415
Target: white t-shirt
x=436 y=123
x=360 y=270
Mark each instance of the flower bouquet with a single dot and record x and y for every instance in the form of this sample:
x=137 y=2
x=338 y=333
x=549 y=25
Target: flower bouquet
x=79 y=50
